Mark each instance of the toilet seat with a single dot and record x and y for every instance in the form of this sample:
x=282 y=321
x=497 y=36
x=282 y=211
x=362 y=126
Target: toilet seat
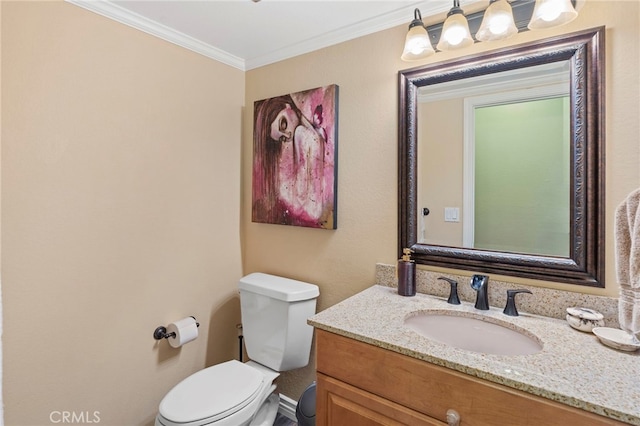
x=212 y=394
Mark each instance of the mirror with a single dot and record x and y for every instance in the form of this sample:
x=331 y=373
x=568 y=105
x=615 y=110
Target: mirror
x=474 y=224
x=499 y=156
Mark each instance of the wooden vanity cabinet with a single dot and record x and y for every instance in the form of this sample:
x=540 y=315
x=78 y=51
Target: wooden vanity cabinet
x=360 y=384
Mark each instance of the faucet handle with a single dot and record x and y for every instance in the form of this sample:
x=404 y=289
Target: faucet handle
x=510 y=308
x=453 y=295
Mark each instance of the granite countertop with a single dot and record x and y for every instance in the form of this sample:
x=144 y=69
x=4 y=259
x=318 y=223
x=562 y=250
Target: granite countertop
x=573 y=367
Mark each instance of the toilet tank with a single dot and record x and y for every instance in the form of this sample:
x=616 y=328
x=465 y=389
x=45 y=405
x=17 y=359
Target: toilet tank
x=274 y=320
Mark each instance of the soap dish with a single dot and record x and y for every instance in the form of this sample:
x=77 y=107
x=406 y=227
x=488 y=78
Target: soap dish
x=617 y=339
x=584 y=319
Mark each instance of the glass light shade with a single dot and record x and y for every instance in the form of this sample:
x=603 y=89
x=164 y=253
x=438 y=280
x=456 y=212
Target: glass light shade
x=455 y=33
x=497 y=23
x=417 y=44
x=551 y=13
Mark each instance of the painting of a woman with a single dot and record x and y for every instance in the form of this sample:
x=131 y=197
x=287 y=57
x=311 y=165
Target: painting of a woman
x=294 y=161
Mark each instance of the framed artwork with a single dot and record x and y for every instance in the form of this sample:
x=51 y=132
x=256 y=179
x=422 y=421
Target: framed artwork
x=295 y=159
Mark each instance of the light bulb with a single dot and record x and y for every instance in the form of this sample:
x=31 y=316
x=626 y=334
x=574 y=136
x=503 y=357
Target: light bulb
x=455 y=35
x=497 y=23
x=552 y=13
x=455 y=32
x=417 y=44
x=549 y=11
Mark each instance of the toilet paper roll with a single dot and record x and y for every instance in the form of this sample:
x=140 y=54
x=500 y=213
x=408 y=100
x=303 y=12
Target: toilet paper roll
x=186 y=330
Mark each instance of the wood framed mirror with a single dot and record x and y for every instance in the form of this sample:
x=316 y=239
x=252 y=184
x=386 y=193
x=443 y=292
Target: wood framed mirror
x=578 y=257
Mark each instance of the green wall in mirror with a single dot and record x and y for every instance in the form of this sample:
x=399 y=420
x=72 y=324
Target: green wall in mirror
x=522 y=177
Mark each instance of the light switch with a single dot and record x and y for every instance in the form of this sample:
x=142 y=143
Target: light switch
x=451 y=214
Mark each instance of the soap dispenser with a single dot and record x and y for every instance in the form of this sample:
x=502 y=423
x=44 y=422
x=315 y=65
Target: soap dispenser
x=406 y=274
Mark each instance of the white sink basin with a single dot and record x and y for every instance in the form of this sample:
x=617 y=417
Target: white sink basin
x=473 y=333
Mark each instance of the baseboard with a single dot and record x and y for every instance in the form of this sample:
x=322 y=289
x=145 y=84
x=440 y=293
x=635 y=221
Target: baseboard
x=287 y=407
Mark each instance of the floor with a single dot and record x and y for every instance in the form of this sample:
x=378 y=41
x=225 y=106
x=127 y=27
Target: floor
x=284 y=421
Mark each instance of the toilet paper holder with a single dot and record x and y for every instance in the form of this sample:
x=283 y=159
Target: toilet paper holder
x=161 y=332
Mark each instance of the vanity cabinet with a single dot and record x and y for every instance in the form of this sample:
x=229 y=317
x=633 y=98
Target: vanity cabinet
x=360 y=384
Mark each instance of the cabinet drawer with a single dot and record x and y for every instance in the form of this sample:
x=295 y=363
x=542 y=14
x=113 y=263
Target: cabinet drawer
x=341 y=404
x=432 y=390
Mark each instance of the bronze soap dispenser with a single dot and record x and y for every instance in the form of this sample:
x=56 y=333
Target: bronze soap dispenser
x=406 y=274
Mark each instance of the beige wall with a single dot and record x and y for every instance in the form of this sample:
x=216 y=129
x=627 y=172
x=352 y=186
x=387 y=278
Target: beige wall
x=342 y=262
x=121 y=163
x=440 y=177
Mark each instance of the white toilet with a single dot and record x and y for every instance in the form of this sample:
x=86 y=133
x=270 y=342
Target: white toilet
x=277 y=338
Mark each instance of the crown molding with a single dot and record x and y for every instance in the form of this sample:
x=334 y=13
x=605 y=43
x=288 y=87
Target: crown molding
x=369 y=26
x=139 y=22
x=380 y=23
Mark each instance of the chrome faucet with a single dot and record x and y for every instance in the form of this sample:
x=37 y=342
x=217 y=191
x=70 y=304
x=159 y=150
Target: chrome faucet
x=480 y=283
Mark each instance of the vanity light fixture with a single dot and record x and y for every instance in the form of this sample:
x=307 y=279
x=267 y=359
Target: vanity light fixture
x=417 y=44
x=552 y=13
x=497 y=23
x=455 y=32
x=502 y=19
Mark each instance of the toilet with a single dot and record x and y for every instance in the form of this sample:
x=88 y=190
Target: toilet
x=277 y=338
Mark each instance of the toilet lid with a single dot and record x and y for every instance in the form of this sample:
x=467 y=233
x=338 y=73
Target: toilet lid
x=212 y=393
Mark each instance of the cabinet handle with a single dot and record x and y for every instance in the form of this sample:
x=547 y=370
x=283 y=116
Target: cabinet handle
x=453 y=418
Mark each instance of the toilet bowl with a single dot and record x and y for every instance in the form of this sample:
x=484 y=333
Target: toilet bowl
x=274 y=312
x=227 y=394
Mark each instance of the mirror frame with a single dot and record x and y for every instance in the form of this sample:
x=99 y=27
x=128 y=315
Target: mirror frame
x=585 y=266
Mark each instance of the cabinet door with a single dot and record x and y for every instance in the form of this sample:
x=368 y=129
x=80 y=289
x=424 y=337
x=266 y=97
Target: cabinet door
x=433 y=390
x=341 y=404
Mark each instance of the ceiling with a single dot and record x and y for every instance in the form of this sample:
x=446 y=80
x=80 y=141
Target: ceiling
x=247 y=34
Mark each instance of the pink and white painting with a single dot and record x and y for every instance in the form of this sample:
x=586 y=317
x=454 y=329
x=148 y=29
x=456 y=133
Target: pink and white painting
x=294 y=158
